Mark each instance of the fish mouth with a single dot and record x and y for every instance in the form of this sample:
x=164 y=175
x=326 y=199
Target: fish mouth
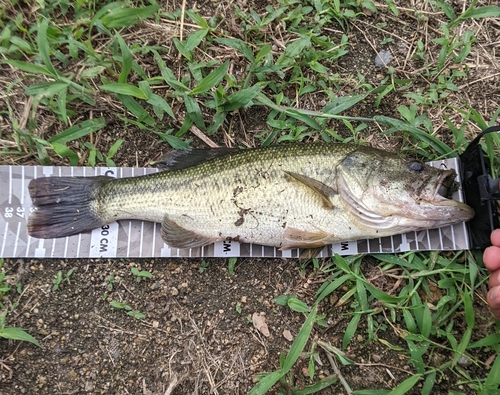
x=444 y=188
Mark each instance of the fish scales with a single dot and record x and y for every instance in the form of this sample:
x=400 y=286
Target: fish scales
x=296 y=195
x=250 y=188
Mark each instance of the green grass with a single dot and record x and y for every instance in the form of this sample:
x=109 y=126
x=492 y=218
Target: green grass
x=9 y=332
x=83 y=66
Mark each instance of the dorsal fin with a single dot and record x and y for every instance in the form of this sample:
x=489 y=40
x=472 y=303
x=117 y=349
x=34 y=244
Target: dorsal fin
x=323 y=190
x=182 y=159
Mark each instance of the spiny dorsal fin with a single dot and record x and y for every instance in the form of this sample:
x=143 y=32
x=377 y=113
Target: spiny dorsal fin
x=324 y=191
x=182 y=159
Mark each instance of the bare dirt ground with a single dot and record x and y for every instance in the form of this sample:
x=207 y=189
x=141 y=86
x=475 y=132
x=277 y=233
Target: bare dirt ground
x=196 y=336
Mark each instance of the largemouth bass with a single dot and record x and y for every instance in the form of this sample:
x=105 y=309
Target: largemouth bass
x=291 y=196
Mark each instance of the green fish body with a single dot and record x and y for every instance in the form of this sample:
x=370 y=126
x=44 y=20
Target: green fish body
x=290 y=196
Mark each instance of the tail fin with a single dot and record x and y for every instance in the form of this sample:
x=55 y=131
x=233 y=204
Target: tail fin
x=65 y=206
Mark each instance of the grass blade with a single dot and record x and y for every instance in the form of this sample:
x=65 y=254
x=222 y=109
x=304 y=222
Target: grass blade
x=242 y=98
x=79 y=130
x=124 y=89
x=315 y=388
x=324 y=292
x=398 y=125
x=65 y=152
x=406 y=385
x=267 y=382
x=342 y=103
x=136 y=109
x=46 y=89
x=43 y=46
x=160 y=106
x=119 y=17
x=350 y=330
x=239 y=45
x=17 y=334
x=29 y=68
x=126 y=59
x=493 y=378
x=301 y=340
x=195 y=39
x=210 y=80
x=194 y=111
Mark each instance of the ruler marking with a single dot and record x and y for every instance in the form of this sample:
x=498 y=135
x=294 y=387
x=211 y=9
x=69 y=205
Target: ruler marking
x=128 y=242
x=453 y=236
x=129 y=222
x=79 y=234
x=53 y=248
x=66 y=247
x=29 y=213
x=78 y=245
x=4 y=238
x=28 y=244
x=415 y=235
x=14 y=253
x=22 y=185
x=141 y=239
x=10 y=185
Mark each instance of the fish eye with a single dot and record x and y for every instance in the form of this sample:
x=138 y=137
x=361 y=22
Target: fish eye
x=416 y=166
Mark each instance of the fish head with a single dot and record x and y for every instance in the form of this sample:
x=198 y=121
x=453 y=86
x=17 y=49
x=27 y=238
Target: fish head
x=384 y=190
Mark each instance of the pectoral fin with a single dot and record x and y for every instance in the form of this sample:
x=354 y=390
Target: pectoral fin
x=297 y=238
x=178 y=237
x=323 y=190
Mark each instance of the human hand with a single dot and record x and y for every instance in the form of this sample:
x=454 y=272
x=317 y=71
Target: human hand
x=491 y=259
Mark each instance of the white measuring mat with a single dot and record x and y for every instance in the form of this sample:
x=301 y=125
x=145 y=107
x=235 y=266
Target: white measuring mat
x=143 y=239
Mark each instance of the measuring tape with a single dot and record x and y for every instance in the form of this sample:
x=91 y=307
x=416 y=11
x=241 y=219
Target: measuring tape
x=134 y=239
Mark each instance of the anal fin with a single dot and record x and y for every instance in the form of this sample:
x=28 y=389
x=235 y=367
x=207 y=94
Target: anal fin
x=309 y=253
x=178 y=237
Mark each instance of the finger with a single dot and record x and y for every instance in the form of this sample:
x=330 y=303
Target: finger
x=495 y=237
x=491 y=258
x=493 y=299
x=494 y=280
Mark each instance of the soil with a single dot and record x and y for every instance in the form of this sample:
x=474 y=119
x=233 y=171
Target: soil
x=196 y=335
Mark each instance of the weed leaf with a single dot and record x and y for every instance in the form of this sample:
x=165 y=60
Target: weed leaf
x=194 y=111
x=65 y=152
x=297 y=305
x=211 y=80
x=136 y=109
x=126 y=59
x=406 y=385
x=239 y=45
x=118 y=17
x=493 y=379
x=79 y=130
x=242 y=98
x=43 y=46
x=17 y=334
x=124 y=89
x=266 y=382
x=300 y=341
x=29 y=67
x=195 y=39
